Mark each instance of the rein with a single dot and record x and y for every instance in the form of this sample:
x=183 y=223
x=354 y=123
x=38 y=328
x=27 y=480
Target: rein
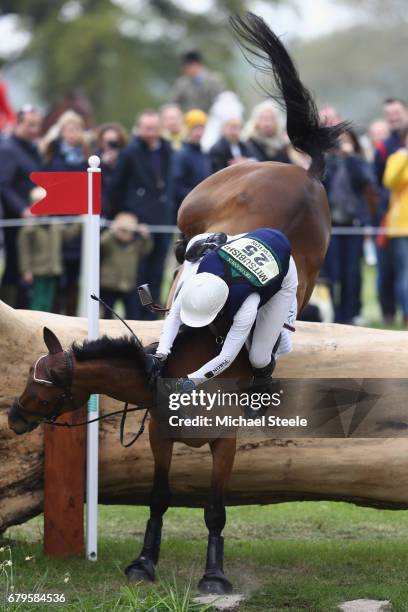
x=51 y=420
x=126 y=408
x=67 y=395
x=124 y=412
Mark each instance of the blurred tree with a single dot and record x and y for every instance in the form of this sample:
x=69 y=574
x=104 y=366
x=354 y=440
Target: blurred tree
x=356 y=69
x=389 y=11
x=122 y=54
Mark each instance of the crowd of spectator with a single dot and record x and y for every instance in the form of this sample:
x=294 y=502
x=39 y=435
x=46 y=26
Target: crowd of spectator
x=146 y=175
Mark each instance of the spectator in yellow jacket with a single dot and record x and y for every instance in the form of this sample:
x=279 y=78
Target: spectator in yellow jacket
x=396 y=180
x=172 y=125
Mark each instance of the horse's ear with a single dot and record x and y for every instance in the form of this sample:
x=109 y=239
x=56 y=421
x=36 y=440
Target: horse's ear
x=51 y=341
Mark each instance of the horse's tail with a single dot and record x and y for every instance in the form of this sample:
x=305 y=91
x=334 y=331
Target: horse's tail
x=303 y=125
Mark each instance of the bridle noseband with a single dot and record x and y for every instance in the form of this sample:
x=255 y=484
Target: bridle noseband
x=67 y=396
x=51 y=381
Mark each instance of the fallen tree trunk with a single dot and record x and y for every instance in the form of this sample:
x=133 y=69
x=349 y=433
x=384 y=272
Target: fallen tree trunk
x=371 y=471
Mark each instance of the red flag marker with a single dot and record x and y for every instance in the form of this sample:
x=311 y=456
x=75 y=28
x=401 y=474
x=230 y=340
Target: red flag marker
x=67 y=193
x=79 y=193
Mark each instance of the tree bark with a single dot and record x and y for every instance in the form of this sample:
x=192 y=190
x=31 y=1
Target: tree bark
x=371 y=471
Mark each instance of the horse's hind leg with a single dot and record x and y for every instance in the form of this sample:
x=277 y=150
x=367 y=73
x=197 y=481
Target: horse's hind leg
x=143 y=567
x=214 y=580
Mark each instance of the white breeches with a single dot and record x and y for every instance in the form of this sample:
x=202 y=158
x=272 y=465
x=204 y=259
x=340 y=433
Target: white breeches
x=280 y=309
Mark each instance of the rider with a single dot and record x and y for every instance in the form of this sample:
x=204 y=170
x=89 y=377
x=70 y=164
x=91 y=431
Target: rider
x=250 y=278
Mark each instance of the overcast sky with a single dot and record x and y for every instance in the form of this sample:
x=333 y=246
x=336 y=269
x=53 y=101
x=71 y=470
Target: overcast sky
x=314 y=18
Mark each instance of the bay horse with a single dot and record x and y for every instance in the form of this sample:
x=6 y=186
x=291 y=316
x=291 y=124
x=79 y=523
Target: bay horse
x=238 y=199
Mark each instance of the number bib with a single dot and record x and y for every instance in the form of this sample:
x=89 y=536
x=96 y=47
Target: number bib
x=252 y=259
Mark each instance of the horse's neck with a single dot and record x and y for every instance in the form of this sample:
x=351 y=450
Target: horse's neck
x=117 y=378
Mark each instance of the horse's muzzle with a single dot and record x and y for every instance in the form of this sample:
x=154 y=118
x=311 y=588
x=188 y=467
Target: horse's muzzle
x=17 y=423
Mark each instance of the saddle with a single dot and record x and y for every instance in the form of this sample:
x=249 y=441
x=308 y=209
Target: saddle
x=200 y=247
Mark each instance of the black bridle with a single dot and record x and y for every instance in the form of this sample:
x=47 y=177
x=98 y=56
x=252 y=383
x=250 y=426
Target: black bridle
x=66 y=396
x=51 y=381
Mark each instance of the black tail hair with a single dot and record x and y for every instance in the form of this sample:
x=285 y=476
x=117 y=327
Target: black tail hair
x=303 y=124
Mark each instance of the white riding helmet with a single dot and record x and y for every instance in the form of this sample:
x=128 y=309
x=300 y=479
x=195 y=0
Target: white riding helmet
x=202 y=297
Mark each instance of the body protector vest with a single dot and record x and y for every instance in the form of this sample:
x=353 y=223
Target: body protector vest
x=254 y=263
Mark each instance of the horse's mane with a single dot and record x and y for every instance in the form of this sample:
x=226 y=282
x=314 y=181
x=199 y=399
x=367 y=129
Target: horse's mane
x=125 y=347
x=130 y=348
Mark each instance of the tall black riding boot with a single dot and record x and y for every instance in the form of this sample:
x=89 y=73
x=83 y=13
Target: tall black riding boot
x=262 y=383
x=263 y=377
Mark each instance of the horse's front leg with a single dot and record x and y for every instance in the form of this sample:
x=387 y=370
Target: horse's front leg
x=143 y=567
x=214 y=580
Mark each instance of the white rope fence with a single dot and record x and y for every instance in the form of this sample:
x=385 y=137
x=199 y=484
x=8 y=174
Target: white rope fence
x=154 y=229
x=171 y=229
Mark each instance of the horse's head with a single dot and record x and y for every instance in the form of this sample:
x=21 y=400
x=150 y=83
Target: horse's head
x=49 y=390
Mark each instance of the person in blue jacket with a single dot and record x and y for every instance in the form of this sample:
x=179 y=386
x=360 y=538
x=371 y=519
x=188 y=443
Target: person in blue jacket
x=141 y=185
x=66 y=150
x=191 y=164
x=19 y=156
x=350 y=186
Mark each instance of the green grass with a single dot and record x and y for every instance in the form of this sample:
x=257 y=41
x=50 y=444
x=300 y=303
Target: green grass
x=292 y=556
x=371 y=308
x=371 y=311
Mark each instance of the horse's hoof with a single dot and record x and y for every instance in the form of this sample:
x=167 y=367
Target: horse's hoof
x=215 y=586
x=138 y=575
x=140 y=570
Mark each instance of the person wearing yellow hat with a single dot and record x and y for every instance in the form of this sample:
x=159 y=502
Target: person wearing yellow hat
x=191 y=164
x=195 y=118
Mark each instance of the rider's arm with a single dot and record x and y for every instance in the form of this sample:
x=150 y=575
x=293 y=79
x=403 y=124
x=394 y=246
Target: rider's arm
x=170 y=329
x=172 y=322
x=235 y=340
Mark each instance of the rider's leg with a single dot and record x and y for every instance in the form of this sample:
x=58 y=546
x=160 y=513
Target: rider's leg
x=269 y=323
x=285 y=342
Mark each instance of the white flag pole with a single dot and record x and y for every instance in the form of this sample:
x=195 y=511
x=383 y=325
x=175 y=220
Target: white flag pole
x=92 y=238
